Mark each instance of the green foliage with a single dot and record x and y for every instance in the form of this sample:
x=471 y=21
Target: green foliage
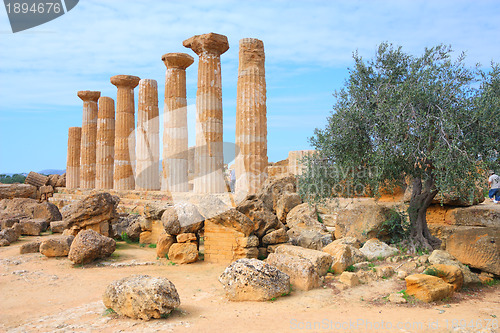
x=320 y=220
x=396 y=226
x=108 y=311
x=201 y=256
x=166 y=255
x=171 y=263
x=126 y=238
x=492 y=282
x=272 y=299
x=434 y=272
x=409 y=298
x=152 y=246
x=350 y=268
x=400 y=115
x=16 y=178
x=142 y=245
x=422 y=251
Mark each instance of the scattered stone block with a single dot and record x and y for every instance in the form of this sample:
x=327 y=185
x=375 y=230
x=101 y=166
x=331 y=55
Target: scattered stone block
x=254 y=280
x=141 y=297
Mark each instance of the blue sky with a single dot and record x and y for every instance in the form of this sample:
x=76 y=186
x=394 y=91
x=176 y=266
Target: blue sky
x=308 y=47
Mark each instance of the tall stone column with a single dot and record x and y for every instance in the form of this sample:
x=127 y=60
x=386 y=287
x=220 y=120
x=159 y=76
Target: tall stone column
x=175 y=131
x=89 y=133
x=209 y=156
x=123 y=178
x=251 y=119
x=148 y=137
x=73 y=159
x=105 y=154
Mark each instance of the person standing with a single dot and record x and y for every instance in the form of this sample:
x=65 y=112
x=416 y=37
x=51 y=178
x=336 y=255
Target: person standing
x=494 y=183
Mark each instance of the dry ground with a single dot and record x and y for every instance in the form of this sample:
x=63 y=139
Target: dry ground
x=39 y=294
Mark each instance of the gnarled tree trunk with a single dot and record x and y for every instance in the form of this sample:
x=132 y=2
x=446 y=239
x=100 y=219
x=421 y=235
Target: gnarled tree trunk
x=421 y=198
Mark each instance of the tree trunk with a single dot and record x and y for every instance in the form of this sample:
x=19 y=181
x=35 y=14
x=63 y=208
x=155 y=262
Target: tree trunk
x=421 y=198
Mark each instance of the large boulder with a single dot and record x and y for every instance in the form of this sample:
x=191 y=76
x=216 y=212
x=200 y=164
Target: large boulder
x=427 y=288
x=305 y=229
x=209 y=205
x=141 y=297
x=183 y=217
x=253 y=280
x=375 y=249
x=438 y=257
x=33 y=227
x=235 y=220
x=286 y=203
x=477 y=247
x=303 y=274
x=362 y=219
x=29 y=208
x=57 y=246
x=89 y=245
x=163 y=245
x=449 y=273
x=154 y=210
x=129 y=225
x=322 y=261
x=9 y=235
x=342 y=256
x=262 y=217
x=10 y=191
x=274 y=189
x=309 y=238
x=30 y=247
x=183 y=253
x=93 y=209
x=275 y=237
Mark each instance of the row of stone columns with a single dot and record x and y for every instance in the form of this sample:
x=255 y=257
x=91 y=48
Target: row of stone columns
x=102 y=154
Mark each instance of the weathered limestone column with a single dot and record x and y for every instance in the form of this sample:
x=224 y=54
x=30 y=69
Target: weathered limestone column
x=73 y=161
x=89 y=133
x=251 y=119
x=123 y=178
x=209 y=156
x=175 y=131
x=148 y=137
x=105 y=154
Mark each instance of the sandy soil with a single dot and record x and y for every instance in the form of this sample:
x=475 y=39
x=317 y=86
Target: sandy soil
x=39 y=294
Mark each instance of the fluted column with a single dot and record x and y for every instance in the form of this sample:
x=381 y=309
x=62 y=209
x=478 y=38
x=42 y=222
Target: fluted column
x=105 y=153
x=123 y=178
x=89 y=133
x=73 y=159
x=175 y=131
x=251 y=119
x=148 y=137
x=209 y=158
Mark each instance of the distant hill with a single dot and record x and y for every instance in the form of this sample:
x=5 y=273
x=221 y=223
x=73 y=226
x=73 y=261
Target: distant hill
x=52 y=172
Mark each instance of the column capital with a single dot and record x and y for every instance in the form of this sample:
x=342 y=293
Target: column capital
x=89 y=96
x=210 y=43
x=125 y=81
x=177 y=60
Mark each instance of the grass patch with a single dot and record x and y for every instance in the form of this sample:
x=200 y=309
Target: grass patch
x=201 y=256
x=171 y=263
x=142 y=245
x=492 y=283
x=409 y=298
x=108 y=311
x=152 y=246
x=434 y=272
x=350 y=268
x=126 y=238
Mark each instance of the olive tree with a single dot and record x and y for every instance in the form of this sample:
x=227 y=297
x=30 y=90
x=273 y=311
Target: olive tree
x=401 y=117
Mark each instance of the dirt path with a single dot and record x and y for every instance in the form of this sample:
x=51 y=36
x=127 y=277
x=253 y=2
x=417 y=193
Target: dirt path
x=39 y=294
